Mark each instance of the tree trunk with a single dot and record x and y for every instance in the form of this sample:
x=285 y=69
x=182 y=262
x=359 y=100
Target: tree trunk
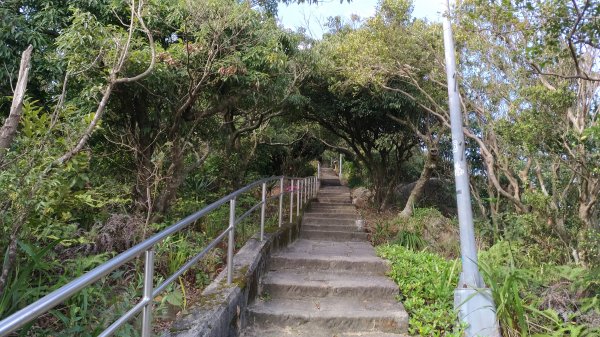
x=11 y=251
x=417 y=191
x=9 y=129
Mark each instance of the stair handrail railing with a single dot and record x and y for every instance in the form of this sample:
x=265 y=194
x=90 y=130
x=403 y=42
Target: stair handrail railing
x=303 y=188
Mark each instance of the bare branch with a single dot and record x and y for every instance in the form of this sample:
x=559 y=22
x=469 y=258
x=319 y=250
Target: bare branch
x=9 y=129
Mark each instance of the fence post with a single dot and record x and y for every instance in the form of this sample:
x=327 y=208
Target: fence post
x=262 y=211
x=148 y=289
x=231 y=244
x=280 y=201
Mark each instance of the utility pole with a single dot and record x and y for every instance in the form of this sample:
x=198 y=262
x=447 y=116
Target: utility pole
x=472 y=299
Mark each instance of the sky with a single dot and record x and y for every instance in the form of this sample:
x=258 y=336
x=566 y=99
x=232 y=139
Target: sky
x=315 y=16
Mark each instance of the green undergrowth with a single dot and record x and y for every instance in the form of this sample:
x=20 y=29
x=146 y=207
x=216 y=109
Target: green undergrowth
x=542 y=299
x=426 y=281
x=532 y=299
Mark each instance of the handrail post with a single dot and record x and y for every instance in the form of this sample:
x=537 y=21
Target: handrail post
x=148 y=289
x=318 y=169
x=262 y=211
x=298 y=197
x=291 y=200
x=305 y=194
x=317 y=185
x=280 y=201
x=231 y=244
x=301 y=191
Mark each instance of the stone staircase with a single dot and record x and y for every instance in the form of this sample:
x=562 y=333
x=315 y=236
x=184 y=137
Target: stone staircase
x=328 y=283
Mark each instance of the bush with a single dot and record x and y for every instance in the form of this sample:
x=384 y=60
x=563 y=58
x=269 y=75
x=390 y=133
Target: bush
x=426 y=281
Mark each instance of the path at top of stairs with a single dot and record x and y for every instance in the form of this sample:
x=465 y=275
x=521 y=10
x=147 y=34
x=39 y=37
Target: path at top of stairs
x=330 y=282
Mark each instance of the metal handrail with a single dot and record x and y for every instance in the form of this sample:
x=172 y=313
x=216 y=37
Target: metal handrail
x=305 y=189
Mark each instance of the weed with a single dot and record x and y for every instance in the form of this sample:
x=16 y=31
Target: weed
x=265 y=296
x=411 y=240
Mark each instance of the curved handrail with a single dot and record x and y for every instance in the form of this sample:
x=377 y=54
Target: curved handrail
x=305 y=189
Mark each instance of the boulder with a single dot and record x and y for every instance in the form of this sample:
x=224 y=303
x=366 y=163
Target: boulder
x=361 y=197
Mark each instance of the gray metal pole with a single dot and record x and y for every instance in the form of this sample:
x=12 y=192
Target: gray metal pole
x=148 y=288
x=474 y=302
x=298 y=197
x=281 y=201
x=318 y=170
x=231 y=243
x=291 y=200
x=468 y=249
x=300 y=190
x=340 y=167
x=263 y=208
x=305 y=190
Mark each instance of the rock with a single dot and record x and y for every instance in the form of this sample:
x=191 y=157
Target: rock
x=361 y=197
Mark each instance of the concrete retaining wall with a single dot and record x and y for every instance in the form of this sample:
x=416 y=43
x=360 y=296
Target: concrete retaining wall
x=221 y=310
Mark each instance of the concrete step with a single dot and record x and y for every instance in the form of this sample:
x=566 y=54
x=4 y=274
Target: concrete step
x=331 y=205
x=289 y=331
x=339 y=193
x=333 y=194
x=298 y=285
x=341 y=228
x=330 y=313
x=329 y=235
x=339 y=190
x=317 y=202
x=330 y=182
x=337 y=215
x=332 y=211
x=328 y=221
x=361 y=265
x=338 y=200
x=310 y=255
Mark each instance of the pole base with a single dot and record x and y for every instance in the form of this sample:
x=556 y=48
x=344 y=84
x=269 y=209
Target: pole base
x=476 y=308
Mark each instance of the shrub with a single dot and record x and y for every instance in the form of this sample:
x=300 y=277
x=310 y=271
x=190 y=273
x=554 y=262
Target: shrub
x=426 y=281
